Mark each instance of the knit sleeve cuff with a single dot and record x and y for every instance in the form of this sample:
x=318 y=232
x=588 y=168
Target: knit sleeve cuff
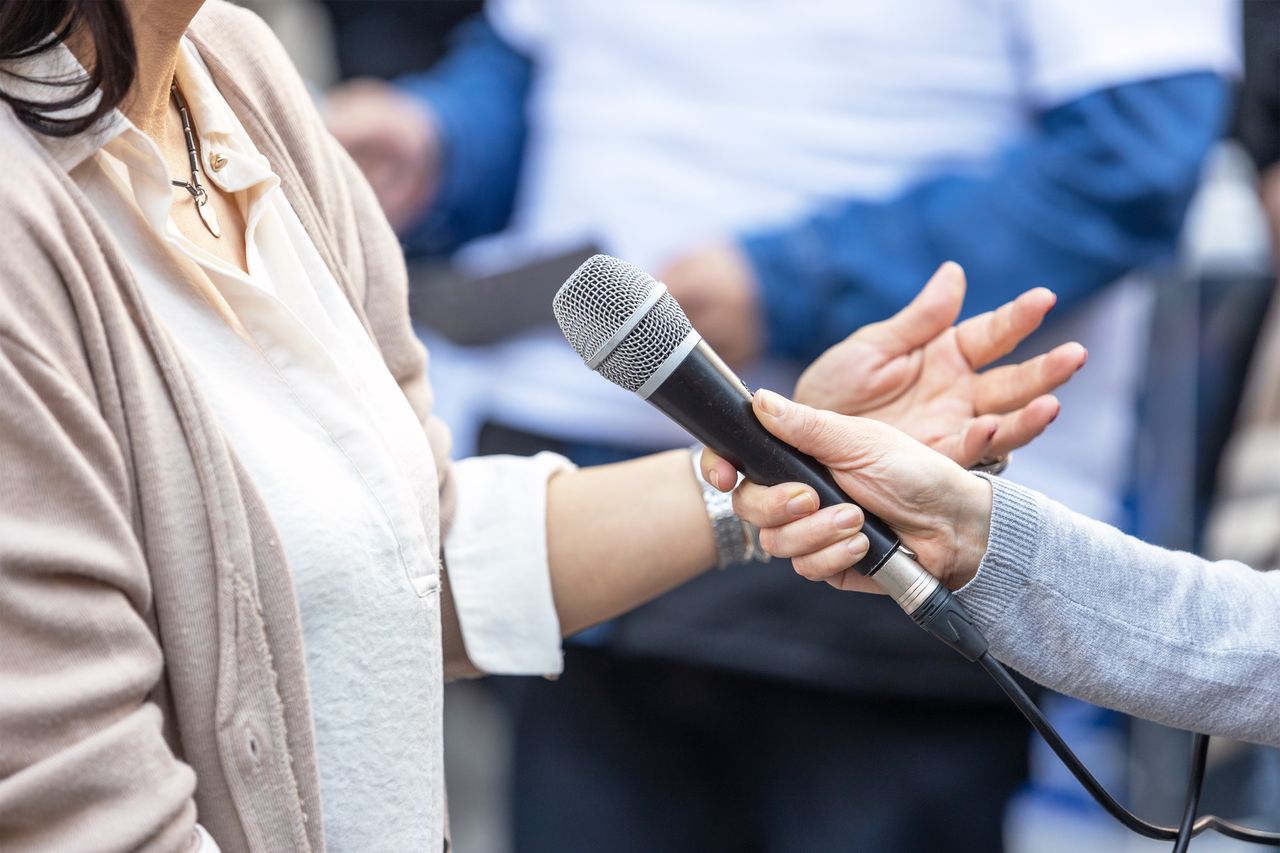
x=1016 y=518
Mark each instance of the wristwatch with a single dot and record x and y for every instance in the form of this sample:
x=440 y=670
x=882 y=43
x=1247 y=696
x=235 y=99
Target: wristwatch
x=737 y=541
x=995 y=465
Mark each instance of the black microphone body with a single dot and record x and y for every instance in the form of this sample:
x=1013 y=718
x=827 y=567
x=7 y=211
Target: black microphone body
x=703 y=395
x=630 y=330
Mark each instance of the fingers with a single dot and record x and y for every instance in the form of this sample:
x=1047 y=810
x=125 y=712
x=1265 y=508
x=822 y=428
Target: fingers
x=835 y=559
x=824 y=435
x=932 y=311
x=989 y=436
x=851 y=580
x=810 y=534
x=1020 y=428
x=774 y=506
x=717 y=471
x=977 y=439
x=1003 y=389
x=822 y=544
x=986 y=337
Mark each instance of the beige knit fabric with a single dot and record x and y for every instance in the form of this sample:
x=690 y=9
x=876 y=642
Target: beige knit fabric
x=151 y=664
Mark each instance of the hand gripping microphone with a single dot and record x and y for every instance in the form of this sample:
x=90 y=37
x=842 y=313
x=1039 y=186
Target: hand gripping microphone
x=631 y=331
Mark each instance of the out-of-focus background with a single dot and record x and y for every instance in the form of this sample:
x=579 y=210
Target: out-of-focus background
x=793 y=171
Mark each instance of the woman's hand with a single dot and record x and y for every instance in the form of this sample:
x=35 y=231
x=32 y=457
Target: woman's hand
x=919 y=372
x=938 y=509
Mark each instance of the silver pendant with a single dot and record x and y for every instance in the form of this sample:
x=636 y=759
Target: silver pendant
x=208 y=217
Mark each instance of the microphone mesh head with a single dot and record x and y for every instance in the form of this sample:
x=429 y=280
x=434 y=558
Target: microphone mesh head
x=594 y=304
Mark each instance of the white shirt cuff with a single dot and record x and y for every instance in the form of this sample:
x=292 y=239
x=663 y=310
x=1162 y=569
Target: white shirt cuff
x=207 y=844
x=496 y=553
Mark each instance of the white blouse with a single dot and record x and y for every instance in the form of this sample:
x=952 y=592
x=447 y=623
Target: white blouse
x=343 y=466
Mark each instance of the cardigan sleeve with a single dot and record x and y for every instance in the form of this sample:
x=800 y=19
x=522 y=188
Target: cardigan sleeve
x=1165 y=635
x=84 y=764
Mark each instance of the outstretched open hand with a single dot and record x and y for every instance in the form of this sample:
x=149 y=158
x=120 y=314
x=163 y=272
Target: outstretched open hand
x=918 y=371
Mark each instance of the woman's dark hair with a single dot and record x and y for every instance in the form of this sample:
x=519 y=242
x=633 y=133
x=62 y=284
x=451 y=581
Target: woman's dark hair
x=31 y=27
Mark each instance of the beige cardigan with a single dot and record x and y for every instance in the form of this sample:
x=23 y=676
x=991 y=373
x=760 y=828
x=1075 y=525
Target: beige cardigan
x=151 y=664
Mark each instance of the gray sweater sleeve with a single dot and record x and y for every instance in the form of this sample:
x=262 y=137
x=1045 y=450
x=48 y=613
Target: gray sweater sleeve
x=1080 y=607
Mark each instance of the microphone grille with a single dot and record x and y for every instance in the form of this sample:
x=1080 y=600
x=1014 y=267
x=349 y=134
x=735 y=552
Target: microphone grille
x=599 y=300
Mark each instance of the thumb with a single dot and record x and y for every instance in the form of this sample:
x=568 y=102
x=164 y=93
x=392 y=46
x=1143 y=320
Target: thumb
x=823 y=435
x=933 y=310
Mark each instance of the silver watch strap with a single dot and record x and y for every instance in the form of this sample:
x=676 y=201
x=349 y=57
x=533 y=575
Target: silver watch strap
x=737 y=541
x=995 y=466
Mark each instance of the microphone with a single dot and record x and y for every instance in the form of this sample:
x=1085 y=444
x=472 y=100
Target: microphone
x=630 y=330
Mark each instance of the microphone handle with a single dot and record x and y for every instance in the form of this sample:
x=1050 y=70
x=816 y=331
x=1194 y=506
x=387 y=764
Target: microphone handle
x=707 y=398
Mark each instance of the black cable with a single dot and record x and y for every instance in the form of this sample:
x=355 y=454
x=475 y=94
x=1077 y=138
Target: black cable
x=1041 y=724
x=941 y=614
x=1195 y=782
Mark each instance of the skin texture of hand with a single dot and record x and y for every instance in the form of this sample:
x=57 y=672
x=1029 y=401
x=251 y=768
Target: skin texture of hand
x=919 y=372
x=938 y=509
x=393 y=140
x=717 y=290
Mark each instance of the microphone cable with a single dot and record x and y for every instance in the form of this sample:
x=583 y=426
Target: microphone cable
x=1182 y=834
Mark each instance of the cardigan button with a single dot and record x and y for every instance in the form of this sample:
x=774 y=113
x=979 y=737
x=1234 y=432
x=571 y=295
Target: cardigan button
x=252 y=747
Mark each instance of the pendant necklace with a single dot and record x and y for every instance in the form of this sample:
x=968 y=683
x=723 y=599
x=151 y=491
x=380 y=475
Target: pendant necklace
x=198 y=194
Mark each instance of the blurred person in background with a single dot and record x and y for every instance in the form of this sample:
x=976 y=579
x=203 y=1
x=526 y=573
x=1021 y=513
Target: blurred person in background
x=386 y=38
x=790 y=172
x=1259 y=108
x=1244 y=524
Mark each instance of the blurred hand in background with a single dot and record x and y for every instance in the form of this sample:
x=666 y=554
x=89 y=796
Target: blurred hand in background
x=918 y=371
x=393 y=139
x=717 y=289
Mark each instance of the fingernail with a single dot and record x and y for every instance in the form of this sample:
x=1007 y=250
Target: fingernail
x=773 y=404
x=802 y=504
x=858 y=546
x=848 y=519
x=713 y=477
